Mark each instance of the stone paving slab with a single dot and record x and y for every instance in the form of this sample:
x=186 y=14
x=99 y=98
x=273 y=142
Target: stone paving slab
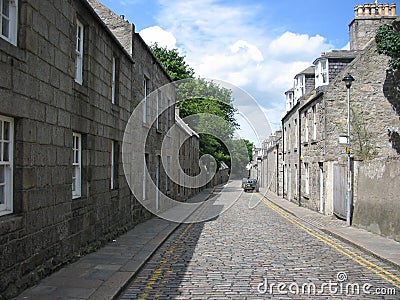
x=102 y=274
x=384 y=248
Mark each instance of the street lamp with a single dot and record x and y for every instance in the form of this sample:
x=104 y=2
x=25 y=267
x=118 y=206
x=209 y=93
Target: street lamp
x=348 y=79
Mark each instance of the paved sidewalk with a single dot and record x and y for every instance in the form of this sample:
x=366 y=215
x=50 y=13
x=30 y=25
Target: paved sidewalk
x=384 y=248
x=104 y=273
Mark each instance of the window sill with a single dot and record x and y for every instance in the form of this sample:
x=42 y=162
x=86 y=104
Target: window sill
x=306 y=196
x=305 y=144
x=115 y=107
x=80 y=88
x=12 y=50
x=114 y=193
x=4 y=213
x=10 y=222
x=313 y=142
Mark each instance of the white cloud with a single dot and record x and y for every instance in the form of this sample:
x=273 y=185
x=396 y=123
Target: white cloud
x=222 y=41
x=156 y=34
x=248 y=50
x=297 y=46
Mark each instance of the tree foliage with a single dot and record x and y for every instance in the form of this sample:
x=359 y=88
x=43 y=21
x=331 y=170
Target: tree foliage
x=173 y=62
x=203 y=99
x=388 y=43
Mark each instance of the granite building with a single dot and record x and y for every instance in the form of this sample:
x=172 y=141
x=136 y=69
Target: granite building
x=313 y=158
x=72 y=72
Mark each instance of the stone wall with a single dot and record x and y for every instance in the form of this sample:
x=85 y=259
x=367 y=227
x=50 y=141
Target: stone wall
x=312 y=151
x=291 y=153
x=377 y=206
x=373 y=114
x=48 y=228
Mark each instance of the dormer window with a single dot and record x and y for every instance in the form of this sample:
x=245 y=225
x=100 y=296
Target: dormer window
x=321 y=73
x=289 y=100
x=299 y=86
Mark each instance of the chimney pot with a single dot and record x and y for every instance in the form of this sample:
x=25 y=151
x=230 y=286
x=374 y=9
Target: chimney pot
x=380 y=9
x=393 y=9
x=373 y=9
x=367 y=11
x=360 y=10
x=386 y=9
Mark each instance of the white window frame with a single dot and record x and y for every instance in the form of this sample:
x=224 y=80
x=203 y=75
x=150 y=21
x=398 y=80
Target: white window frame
x=295 y=134
x=113 y=80
x=6 y=164
x=145 y=174
x=284 y=138
x=314 y=111
x=158 y=120
x=307 y=178
x=306 y=131
x=112 y=158
x=299 y=89
x=167 y=177
x=321 y=73
x=145 y=93
x=296 y=179
x=79 y=52
x=11 y=19
x=77 y=165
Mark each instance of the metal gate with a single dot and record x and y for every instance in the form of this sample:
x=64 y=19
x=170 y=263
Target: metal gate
x=339 y=190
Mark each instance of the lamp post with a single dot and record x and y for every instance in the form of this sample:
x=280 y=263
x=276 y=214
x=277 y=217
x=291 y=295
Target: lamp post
x=348 y=79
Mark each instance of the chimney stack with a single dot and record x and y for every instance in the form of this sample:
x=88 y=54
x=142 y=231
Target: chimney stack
x=368 y=17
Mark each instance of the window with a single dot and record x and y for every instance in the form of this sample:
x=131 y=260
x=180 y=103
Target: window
x=321 y=73
x=113 y=81
x=79 y=52
x=77 y=165
x=167 y=177
x=314 y=112
x=299 y=86
x=288 y=138
x=296 y=178
x=289 y=100
x=295 y=133
x=8 y=20
x=306 y=127
x=169 y=114
x=6 y=164
x=159 y=111
x=145 y=174
x=285 y=138
x=114 y=165
x=307 y=178
x=145 y=93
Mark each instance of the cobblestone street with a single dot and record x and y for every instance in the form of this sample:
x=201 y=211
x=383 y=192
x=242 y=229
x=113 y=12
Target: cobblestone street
x=260 y=253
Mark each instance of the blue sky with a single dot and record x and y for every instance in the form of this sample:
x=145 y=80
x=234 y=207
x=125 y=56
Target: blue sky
x=256 y=45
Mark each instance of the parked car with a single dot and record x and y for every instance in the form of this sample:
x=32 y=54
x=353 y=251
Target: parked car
x=251 y=185
x=244 y=180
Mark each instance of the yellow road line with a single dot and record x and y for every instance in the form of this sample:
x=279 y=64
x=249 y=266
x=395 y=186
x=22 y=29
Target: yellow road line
x=164 y=261
x=381 y=272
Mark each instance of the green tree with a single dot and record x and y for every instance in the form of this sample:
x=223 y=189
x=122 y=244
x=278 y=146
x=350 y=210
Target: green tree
x=199 y=97
x=388 y=43
x=173 y=62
